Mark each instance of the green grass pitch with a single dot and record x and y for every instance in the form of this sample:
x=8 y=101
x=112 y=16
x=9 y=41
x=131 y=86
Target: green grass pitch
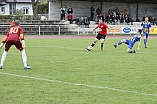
x=59 y=65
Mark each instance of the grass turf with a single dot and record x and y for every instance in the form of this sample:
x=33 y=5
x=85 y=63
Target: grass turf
x=67 y=60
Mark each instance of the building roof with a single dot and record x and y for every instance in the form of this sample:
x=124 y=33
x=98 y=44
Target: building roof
x=121 y=1
x=20 y=1
x=2 y=2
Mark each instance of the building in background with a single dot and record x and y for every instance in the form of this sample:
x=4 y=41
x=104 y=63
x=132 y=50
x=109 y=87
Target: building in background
x=136 y=8
x=8 y=7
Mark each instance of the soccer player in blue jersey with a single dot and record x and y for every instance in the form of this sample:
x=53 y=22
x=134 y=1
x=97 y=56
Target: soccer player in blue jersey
x=131 y=42
x=146 y=27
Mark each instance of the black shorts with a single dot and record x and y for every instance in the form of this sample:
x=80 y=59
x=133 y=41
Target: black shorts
x=100 y=36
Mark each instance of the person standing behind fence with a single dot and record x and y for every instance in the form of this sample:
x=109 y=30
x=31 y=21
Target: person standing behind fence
x=98 y=11
x=92 y=12
x=63 y=9
x=70 y=10
x=70 y=18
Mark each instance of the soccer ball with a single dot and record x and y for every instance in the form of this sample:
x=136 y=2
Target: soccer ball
x=90 y=47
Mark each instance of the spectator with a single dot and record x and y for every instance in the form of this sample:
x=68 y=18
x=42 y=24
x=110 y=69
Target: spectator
x=144 y=18
x=77 y=21
x=130 y=20
x=117 y=11
x=126 y=19
x=104 y=18
x=114 y=19
x=120 y=18
x=63 y=12
x=86 y=22
x=81 y=22
x=70 y=10
x=97 y=19
x=125 y=12
x=100 y=16
x=109 y=19
x=113 y=12
x=70 y=18
x=123 y=19
x=110 y=12
x=117 y=19
x=92 y=12
x=98 y=11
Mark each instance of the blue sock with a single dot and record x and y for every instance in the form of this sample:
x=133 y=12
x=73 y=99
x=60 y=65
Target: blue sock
x=145 y=42
x=119 y=43
x=130 y=51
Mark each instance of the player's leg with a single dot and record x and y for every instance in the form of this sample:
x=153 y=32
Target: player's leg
x=98 y=37
x=144 y=36
x=7 y=47
x=130 y=47
x=24 y=57
x=120 y=42
x=102 y=41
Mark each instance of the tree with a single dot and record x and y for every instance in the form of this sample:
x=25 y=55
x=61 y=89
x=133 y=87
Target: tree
x=35 y=11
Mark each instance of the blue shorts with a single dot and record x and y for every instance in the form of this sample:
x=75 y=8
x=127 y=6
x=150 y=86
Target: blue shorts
x=145 y=34
x=130 y=43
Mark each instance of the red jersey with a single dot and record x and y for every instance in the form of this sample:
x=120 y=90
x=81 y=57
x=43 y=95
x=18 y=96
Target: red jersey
x=15 y=33
x=70 y=17
x=103 y=28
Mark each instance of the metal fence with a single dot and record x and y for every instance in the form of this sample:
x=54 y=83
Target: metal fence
x=73 y=30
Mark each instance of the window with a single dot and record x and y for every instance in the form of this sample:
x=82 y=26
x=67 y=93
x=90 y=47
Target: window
x=12 y=8
x=26 y=10
x=3 y=10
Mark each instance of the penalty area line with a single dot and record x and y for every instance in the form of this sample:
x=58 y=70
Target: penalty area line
x=43 y=79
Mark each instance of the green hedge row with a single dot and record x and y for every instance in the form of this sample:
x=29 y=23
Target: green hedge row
x=17 y=17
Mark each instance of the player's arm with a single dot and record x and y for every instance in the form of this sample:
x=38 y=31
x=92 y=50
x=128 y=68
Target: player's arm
x=4 y=40
x=150 y=27
x=139 y=44
x=109 y=29
x=22 y=38
x=95 y=28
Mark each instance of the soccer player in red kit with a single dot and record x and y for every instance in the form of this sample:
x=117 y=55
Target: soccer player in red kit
x=102 y=33
x=13 y=38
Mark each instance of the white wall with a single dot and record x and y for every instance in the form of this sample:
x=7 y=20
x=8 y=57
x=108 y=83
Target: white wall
x=18 y=6
x=21 y=5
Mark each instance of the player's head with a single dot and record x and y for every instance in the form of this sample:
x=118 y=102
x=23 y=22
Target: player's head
x=139 y=31
x=146 y=19
x=17 y=23
x=100 y=21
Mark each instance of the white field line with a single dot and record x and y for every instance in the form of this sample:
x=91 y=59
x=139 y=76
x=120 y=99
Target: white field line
x=76 y=84
x=84 y=49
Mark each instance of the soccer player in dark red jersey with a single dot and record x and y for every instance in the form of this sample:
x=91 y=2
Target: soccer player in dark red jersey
x=13 y=38
x=102 y=33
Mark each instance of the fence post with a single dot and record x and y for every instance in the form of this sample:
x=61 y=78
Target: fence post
x=39 y=29
x=59 y=30
x=78 y=31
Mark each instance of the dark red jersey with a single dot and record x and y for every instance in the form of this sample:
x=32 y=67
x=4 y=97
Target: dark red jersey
x=103 y=28
x=15 y=33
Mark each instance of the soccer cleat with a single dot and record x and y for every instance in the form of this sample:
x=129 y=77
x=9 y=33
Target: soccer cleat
x=133 y=51
x=87 y=49
x=101 y=49
x=115 y=45
x=27 y=67
x=1 y=67
x=145 y=46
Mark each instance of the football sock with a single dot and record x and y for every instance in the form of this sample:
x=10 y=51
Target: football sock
x=24 y=57
x=119 y=43
x=102 y=45
x=93 y=44
x=130 y=51
x=145 y=42
x=3 y=57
